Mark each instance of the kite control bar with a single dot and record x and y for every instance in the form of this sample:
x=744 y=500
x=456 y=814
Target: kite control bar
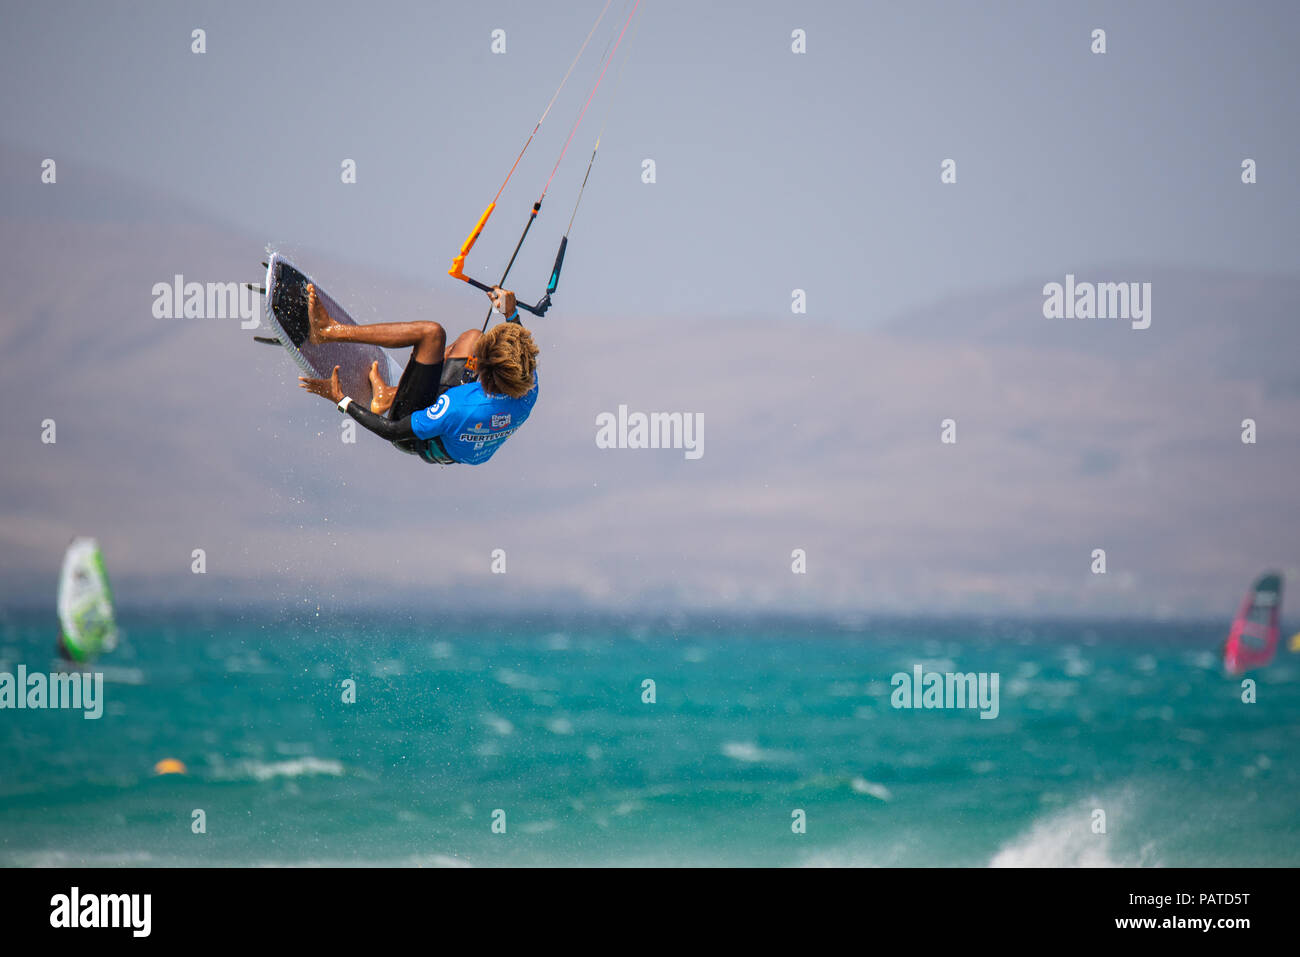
x=545 y=302
x=458 y=264
x=457 y=269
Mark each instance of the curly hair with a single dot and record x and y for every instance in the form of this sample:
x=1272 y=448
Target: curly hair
x=507 y=358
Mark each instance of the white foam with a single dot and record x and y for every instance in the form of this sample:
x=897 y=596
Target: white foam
x=751 y=753
x=500 y=725
x=1065 y=839
x=519 y=680
x=423 y=860
x=121 y=676
x=1077 y=667
x=861 y=785
x=538 y=827
x=298 y=767
x=60 y=858
x=743 y=751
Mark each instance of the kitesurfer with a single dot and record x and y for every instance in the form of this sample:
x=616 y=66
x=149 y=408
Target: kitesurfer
x=456 y=403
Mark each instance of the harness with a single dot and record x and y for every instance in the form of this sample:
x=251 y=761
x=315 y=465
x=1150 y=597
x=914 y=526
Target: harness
x=435 y=453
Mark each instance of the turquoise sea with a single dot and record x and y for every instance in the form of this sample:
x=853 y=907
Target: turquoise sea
x=543 y=719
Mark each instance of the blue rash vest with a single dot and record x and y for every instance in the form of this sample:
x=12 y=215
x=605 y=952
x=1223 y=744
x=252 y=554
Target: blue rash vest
x=472 y=424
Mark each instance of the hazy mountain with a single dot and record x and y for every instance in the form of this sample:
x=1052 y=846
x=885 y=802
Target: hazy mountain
x=174 y=435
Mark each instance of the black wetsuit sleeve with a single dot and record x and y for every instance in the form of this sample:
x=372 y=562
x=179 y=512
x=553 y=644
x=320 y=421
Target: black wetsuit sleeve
x=382 y=427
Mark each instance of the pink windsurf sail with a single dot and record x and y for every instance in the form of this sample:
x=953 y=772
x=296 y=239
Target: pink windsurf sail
x=1253 y=639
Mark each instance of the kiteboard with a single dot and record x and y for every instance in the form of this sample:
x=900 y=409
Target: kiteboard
x=286 y=315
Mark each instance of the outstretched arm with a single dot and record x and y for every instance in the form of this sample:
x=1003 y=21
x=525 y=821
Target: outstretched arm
x=383 y=427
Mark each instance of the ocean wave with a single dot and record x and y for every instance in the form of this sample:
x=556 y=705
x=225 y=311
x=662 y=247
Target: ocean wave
x=1065 y=838
x=538 y=827
x=57 y=858
x=520 y=681
x=498 y=724
x=121 y=676
x=415 y=860
x=861 y=785
x=751 y=753
x=295 y=768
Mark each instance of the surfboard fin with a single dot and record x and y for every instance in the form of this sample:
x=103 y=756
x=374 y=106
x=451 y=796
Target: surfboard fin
x=267 y=340
x=257 y=289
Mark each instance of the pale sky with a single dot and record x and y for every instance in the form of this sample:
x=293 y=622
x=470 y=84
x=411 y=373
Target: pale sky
x=775 y=171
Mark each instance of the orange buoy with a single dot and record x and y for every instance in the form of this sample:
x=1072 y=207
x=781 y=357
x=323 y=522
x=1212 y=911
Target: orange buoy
x=169 y=766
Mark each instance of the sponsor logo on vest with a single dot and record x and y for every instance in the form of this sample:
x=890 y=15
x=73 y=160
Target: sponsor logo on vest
x=439 y=408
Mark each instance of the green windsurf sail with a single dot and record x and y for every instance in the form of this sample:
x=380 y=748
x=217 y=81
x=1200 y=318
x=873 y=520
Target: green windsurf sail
x=85 y=603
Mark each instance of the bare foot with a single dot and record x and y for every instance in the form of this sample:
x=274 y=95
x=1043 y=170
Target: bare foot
x=382 y=394
x=320 y=325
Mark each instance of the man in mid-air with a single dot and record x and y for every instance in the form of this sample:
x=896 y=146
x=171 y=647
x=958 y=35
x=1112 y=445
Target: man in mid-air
x=456 y=403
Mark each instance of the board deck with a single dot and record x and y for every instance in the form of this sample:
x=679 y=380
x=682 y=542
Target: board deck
x=286 y=315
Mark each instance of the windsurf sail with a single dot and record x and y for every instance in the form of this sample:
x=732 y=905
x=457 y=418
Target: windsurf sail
x=1253 y=639
x=85 y=603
